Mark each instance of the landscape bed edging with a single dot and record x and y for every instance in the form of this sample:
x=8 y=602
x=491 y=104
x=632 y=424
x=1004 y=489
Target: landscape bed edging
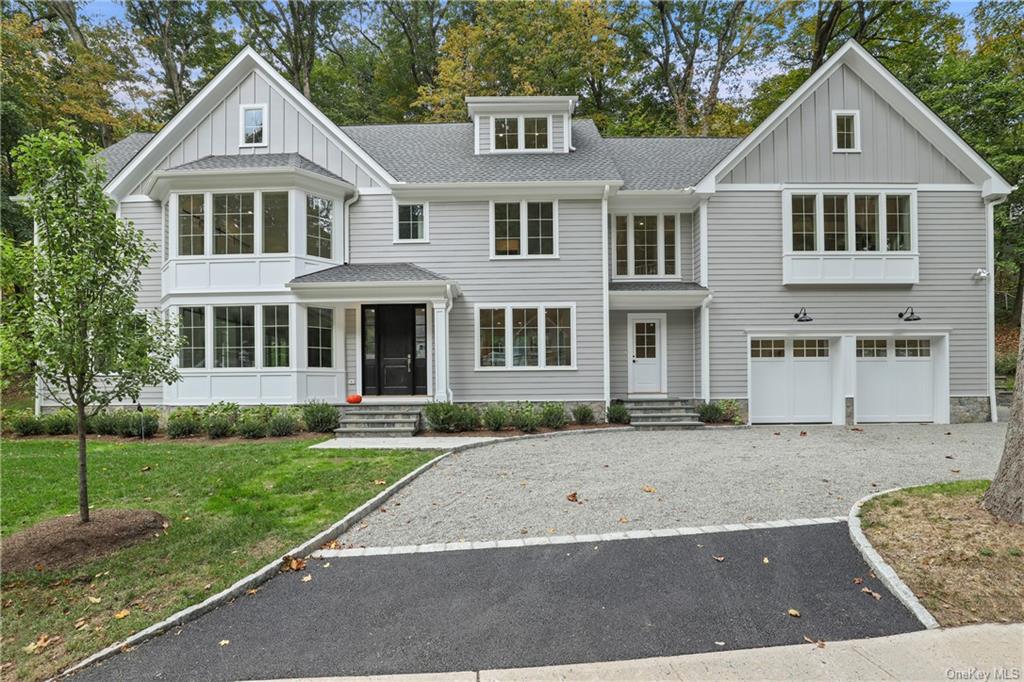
x=882 y=570
x=262 y=575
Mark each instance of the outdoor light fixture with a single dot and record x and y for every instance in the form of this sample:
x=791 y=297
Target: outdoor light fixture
x=802 y=316
x=909 y=315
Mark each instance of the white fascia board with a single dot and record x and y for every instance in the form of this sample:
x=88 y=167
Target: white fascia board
x=504 y=105
x=204 y=101
x=491 y=190
x=896 y=95
x=165 y=182
x=660 y=300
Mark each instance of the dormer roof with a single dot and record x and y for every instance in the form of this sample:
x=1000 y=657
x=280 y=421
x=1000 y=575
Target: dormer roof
x=527 y=104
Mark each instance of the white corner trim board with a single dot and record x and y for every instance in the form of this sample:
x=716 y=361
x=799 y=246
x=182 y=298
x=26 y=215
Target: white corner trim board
x=884 y=571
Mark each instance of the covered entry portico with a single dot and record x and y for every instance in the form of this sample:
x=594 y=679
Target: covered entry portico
x=395 y=339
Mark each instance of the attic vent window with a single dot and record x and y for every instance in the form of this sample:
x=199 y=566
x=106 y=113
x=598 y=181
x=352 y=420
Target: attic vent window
x=253 y=126
x=845 y=131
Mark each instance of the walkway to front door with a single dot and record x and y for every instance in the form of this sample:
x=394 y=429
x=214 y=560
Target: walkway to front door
x=394 y=349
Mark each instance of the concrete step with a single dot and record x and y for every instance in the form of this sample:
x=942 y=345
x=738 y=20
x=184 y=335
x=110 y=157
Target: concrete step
x=372 y=408
x=654 y=402
x=362 y=417
x=371 y=432
x=672 y=417
x=667 y=425
x=678 y=411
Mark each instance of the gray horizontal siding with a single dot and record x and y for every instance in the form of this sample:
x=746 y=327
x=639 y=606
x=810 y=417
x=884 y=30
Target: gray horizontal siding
x=745 y=273
x=682 y=346
x=799 y=149
x=459 y=248
x=485 y=134
x=147 y=216
x=289 y=130
x=558 y=132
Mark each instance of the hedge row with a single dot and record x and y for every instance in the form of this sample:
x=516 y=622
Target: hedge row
x=524 y=416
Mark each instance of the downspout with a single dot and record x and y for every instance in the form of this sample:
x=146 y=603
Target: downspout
x=605 y=265
x=447 y=345
x=347 y=230
x=990 y=305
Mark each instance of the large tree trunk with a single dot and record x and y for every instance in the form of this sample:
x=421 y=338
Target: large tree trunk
x=1005 y=497
x=83 y=486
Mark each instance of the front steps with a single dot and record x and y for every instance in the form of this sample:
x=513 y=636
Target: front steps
x=662 y=413
x=376 y=421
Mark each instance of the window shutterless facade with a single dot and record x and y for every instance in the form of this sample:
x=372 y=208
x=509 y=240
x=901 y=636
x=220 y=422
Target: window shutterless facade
x=233 y=223
x=319 y=226
x=526 y=336
x=253 y=125
x=275 y=222
x=856 y=221
x=520 y=133
x=845 y=131
x=646 y=245
x=192 y=328
x=411 y=222
x=276 y=347
x=191 y=224
x=319 y=337
x=234 y=336
x=537 y=238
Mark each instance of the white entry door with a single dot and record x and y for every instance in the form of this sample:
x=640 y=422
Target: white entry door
x=647 y=368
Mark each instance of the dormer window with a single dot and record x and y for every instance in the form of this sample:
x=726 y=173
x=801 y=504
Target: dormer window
x=535 y=133
x=253 y=125
x=845 y=131
x=506 y=133
x=519 y=133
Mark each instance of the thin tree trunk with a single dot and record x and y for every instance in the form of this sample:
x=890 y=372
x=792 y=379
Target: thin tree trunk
x=83 y=486
x=1018 y=295
x=1005 y=497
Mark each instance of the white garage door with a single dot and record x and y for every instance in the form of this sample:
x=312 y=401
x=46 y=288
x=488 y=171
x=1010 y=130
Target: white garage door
x=790 y=381
x=895 y=380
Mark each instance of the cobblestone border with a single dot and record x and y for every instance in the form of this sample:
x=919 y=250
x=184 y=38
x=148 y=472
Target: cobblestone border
x=882 y=570
x=566 y=539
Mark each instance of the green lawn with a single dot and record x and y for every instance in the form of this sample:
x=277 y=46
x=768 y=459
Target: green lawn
x=232 y=507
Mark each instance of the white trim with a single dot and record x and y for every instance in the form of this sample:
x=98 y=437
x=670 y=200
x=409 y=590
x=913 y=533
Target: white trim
x=703 y=211
x=524 y=230
x=476 y=135
x=605 y=299
x=521 y=135
x=705 y=350
x=856 y=148
x=660 y=237
x=990 y=308
x=425 y=239
x=541 y=340
x=566 y=133
x=264 y=128
x=662 y=321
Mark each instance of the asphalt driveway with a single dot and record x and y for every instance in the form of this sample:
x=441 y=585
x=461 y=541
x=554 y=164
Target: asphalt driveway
x=643 y=480
x=532 y=606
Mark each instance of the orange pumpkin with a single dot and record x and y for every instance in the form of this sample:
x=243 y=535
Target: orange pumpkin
x=354 y=399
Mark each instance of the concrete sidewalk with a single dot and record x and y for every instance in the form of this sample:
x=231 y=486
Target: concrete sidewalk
x=975 y=652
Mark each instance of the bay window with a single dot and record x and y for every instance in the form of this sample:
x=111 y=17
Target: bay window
x=541 y=237
x=191 y=224
x=319 y=333
x=319 y=226
x=525 y=337
x=192 y=328
x=275 y=336
x=835 y=222
x=646 y=245
x=851 y=221
x=233 y=223
x=275 y=222
x=234 y=336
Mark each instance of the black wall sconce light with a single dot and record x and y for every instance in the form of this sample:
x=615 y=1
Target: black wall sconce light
x=802 y=316
x=909 y=315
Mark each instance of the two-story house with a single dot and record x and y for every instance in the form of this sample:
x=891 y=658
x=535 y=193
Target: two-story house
x=833 y=266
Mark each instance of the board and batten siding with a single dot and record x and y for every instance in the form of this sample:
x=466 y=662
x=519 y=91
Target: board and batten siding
x=289 y=129
x=680 y=333
x=460 y=249
x=745 y=273
x=799 y=149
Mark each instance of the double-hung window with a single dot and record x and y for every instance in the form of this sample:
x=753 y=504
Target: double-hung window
x=319 y=332
x=233 y=223
x=192 y=328
x=850 y=221
x=411 y=222
x=646 y=245
x=537 y=238
x=525 y=337
x=319 y=226
x=234 y=336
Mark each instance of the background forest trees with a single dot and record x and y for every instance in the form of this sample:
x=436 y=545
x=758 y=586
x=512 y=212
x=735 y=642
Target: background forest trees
x=640 y=67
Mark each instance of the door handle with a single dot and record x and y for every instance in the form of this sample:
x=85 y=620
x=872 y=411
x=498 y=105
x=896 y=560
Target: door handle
x=408 y=362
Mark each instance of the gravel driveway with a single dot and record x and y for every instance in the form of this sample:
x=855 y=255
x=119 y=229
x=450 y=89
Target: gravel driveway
x=711 y=476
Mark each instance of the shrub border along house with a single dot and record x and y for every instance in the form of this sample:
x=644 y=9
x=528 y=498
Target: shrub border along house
x=522 y=416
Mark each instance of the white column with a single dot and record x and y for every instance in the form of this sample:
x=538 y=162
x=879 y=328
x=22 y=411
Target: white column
x=705 y=352
x=440 y=351
x=844 y=373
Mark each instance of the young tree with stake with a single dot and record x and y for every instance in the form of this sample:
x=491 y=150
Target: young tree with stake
x=75 y=321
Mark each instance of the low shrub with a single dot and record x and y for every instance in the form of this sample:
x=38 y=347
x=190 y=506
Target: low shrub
x=495 y=417
x=23 y=423
x=731 y=411
x=1006 y=364
x=184 y=422
x=320 y=417
x=525 y=418
x=134 y=424
x=283 y=423
x=104 y=423
x=583 y=414
x=218 y=425
x=451 y=417
x=253 y=423
x=618 y=414
x=228 y=410
x=710 y=413
x=552 y=415
x=59 y=423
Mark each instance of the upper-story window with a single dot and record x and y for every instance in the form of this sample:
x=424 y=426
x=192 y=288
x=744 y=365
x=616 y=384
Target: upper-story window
x=537 y=238
x=275 y=222
x=845 y=131
x=236 y=218
x=516 y=133
x=253 y=128
x=319 y=226
x=233 y=223
x=191 y=224
x=645 y=245
x=411 y=222
x=851 y=221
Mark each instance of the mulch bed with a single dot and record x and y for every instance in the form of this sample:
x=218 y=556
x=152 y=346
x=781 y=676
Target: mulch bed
x=64 y=542
x=514 y=432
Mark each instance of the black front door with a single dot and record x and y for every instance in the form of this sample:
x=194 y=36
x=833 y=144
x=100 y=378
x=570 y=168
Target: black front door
x=394 y=350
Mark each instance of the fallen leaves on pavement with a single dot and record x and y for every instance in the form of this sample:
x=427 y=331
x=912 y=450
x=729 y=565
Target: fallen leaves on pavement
x=331 y=544
x=573 y=498
x=868 y=590
x=224 y=642
x=717 y=557
x=858 y=581
x=307 y=578
x=649 y=489
x=290 y=563
x=764 y=560
x=820 y=643
x=794 y=613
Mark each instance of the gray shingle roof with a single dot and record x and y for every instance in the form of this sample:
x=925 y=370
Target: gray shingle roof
x=443 y=152
x=120 y=153
x=369 y=272
x=655 y=286
x=652 y=163
x=239 y=161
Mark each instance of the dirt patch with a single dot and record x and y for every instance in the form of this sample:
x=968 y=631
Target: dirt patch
x=965 y=565
x=64 y=542
x=506 y=433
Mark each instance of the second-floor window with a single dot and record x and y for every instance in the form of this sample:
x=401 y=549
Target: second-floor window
x=253 y=128
x=233 y=223
x=318 y=226
x=845 y=131
x=524 y=229
x=851 y=221
x=514 y=133
x=191 y=224
x=275 y=222
x=645 y=245
x=411 y=223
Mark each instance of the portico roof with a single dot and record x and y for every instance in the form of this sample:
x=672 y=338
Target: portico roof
x=375 y=282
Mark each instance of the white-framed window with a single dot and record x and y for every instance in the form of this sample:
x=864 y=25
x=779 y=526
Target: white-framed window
x=858 y=220
x=252 y=125
x=275 y=214
x=845 y=131
x=234 y=336
x=526 y=336
x=192 y=328
x=521 y=133
x=191 y=224
x=276 y=346
x=524 y=229
x=767 y=348
x=234 y=223
x=319 y=337
x=231 y=223
x=646 y=245
x=412 y=222
x=319 y=226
